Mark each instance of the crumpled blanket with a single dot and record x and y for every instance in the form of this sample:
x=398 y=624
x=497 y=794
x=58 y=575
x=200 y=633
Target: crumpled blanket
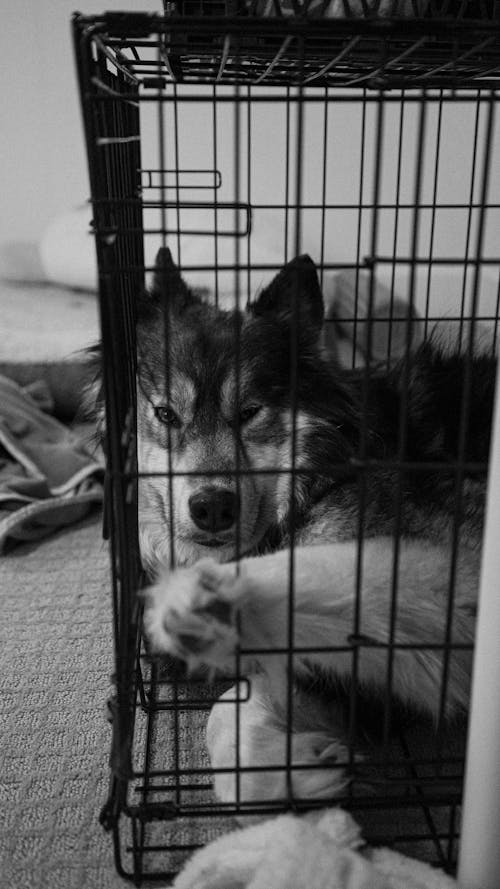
x=48 y=476
x=319 y=850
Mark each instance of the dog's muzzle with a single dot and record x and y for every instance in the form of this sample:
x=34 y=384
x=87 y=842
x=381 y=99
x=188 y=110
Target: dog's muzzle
x=214 y=509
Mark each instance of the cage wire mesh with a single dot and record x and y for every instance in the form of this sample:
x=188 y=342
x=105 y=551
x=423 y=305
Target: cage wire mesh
x=241 y=135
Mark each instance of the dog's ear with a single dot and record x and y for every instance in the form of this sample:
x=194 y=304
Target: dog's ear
x=168 y=287
x=166 y=274
x=295 y=289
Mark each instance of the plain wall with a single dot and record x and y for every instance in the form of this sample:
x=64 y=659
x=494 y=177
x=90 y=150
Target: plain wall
x=43 y=167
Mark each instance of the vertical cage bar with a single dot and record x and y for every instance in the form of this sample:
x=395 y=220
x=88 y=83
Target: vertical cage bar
x=287 y=177
x=468 y=235
x=437 y=160
x=323 y=188
x=215 y=162
x=403 y=414
x=237 y=372
x=114 y=174
x=397 y=200
x=294 y=384
x=364 y=433
x=359 y=228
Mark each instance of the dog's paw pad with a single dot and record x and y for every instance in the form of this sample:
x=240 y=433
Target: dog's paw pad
x=219 y=610
x=189 y=614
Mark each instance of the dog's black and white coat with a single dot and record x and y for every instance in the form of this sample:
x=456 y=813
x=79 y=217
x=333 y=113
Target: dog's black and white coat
x=221 y=430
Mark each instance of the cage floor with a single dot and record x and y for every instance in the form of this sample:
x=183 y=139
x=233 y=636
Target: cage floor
x=409 y=800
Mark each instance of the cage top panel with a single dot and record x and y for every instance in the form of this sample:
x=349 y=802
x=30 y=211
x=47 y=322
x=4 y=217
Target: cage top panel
x=377 y=44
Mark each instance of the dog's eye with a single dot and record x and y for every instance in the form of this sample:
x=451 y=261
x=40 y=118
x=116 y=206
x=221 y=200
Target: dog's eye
x=249 y=412
x=167 y=416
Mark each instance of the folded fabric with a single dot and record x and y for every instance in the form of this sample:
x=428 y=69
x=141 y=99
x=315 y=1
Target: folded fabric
x=320 y=850
x=48 y=477
x=350 y=301
x=368 y=320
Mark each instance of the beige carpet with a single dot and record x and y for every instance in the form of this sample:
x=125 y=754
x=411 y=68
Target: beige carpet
x=56 y=659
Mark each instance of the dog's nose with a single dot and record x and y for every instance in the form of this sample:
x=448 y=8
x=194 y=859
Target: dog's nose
x=214 y=509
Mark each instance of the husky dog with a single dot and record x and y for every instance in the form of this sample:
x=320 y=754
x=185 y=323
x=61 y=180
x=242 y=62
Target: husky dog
x=260 y=463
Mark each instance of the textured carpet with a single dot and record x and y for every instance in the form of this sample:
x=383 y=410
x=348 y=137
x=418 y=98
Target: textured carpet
x=56 y=660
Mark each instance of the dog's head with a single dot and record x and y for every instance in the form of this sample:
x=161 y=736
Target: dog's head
x=229 y=403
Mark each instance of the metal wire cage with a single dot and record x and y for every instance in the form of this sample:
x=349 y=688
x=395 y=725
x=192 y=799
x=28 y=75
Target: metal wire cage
x=365 y=134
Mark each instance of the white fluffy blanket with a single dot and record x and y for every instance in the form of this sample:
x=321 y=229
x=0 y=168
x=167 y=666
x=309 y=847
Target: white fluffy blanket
x=320 y=850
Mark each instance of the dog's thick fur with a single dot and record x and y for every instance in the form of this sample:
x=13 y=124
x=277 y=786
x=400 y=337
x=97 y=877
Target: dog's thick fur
x=306 y=452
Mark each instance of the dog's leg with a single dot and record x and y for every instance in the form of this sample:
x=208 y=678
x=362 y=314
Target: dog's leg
x=191 y=613
x=251 y=733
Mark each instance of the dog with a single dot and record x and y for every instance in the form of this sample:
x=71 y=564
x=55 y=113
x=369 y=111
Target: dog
x=281 y=535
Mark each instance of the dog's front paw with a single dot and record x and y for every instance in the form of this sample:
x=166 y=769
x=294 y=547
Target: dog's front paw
x=315 y=771
x=323 y=777
x=190 y=613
